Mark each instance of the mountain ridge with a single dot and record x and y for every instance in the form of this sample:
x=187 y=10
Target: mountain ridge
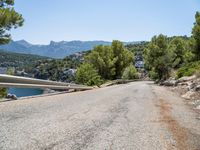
x=54 y=49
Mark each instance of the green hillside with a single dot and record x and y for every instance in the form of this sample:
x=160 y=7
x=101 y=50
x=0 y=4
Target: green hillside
x=9 y=59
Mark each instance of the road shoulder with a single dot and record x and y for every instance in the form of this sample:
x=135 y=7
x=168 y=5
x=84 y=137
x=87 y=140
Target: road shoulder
x=180 y=120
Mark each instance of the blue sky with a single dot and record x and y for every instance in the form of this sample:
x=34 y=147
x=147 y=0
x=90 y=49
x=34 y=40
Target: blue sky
x=125 y=20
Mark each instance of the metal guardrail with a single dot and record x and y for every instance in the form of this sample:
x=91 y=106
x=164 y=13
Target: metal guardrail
x=23 y=82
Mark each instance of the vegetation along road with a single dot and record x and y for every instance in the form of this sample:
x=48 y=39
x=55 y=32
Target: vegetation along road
x=136 y=116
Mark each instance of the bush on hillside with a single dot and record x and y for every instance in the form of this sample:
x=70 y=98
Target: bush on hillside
x=153 y=75
x=3 y=92
x=188 y=69
x=130 y=72
x=86 y=74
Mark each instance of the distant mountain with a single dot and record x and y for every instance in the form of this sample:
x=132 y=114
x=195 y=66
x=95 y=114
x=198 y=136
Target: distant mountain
x=54 y=49
x=23 y=43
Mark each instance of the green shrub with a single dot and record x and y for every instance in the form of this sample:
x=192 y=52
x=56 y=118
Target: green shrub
x=3 y=92
x=188 y=69
x=86 y=74
x=153 y=75
x=130 y=72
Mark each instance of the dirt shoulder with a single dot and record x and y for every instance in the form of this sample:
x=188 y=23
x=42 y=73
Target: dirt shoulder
x=180 y=120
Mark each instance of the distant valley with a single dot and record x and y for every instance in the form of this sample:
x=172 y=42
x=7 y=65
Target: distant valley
x=54 y=49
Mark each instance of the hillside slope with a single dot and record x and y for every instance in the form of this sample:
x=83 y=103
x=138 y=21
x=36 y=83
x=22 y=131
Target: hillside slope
x=10 y=59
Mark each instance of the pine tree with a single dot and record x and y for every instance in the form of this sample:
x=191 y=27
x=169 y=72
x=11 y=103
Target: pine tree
x=196 y=35
x=9 y=19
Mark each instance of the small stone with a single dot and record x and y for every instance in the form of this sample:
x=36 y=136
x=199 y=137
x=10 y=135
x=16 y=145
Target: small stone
x=14 y=97
x=11 y=96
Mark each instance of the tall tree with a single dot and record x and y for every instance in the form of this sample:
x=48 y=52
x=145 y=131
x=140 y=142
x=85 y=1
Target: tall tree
x=196 y=35
x=158 y=57
x=102 y=58
x=110 y=61
x=9 y=19
x=178 y=48
x=123 y=57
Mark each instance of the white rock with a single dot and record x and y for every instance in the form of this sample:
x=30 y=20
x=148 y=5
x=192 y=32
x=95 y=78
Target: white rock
x=182 y=83
x=198 y=107
x=191 y=103
x=196 y=102
x=191 y=86
x=188 y=95
x=185 y=79
x=170 y=82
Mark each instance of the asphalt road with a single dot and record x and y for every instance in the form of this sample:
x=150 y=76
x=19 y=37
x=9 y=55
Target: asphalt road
x=135 y=116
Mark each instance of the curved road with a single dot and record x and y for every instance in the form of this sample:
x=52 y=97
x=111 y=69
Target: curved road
x=135 y=116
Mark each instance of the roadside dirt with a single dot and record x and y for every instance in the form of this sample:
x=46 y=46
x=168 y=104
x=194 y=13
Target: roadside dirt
x=178 y=132
x=179 y=118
